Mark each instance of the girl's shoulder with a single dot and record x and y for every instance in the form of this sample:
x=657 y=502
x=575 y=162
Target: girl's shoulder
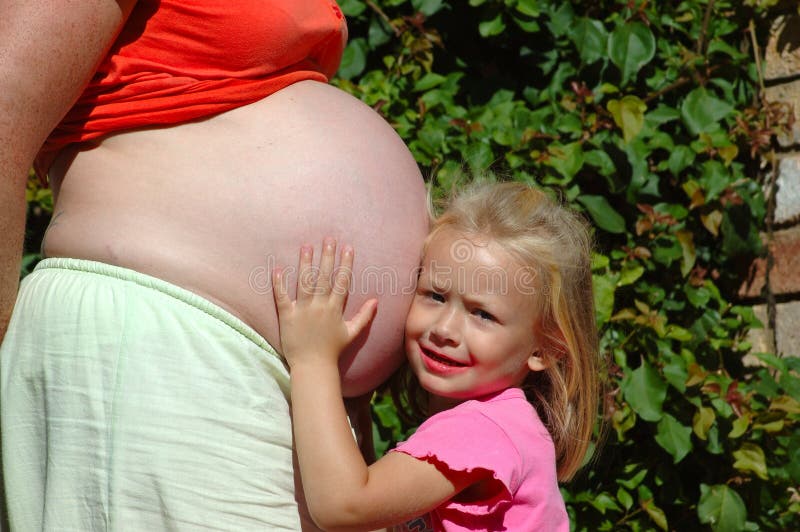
x=508 y=409
x=504 y=422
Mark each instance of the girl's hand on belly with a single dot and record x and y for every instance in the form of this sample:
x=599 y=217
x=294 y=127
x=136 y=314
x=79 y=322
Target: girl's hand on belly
x=313 y=330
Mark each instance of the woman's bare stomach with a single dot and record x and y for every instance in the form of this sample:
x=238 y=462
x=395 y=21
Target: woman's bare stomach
x=213 y=206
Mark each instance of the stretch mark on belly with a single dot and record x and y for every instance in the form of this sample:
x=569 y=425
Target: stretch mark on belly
x=53 y=223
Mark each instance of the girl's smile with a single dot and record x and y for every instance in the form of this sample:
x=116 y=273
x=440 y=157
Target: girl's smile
x=439 y=363
x=471 y=330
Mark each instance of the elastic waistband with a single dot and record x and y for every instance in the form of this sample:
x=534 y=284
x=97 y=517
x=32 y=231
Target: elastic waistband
x=154 y=283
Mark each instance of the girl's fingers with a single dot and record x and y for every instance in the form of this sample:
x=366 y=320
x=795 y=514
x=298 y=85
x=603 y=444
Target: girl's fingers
x=326 y=266
x=305 y=274
x=341 y=282
x=363 y=317
x=280 y=290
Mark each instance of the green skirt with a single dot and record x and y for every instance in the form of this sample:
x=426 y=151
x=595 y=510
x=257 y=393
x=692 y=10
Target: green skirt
x=129 y=403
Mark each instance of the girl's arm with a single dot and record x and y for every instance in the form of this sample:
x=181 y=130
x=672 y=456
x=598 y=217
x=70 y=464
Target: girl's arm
x=342 y=492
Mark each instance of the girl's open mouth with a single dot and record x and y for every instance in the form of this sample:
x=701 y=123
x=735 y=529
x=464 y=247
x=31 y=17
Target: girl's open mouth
x=442 y=359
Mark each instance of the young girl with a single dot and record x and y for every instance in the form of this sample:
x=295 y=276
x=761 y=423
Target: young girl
x=500 y=336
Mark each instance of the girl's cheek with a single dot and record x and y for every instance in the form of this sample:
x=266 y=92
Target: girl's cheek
x=412 y=320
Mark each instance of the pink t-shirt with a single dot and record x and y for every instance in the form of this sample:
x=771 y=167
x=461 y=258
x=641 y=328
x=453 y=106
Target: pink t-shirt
x=503 y=434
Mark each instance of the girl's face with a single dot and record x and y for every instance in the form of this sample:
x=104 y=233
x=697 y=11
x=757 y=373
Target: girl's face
x=471 y=327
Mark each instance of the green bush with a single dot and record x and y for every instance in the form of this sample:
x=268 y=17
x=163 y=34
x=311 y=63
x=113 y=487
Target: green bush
x=648 y=117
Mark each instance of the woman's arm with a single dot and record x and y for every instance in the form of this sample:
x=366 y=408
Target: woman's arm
x=342 y=492
x=49 y=50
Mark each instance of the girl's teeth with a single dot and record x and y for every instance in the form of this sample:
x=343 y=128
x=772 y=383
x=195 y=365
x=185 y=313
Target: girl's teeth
x=442 y=360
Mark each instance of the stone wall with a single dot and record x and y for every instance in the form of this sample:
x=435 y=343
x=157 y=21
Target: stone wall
x=774 y=286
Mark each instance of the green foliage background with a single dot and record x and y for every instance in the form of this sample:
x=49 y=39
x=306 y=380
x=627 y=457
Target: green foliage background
x=649 y=117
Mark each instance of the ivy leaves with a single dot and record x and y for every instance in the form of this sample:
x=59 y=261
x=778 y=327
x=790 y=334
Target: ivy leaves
x=702 y=112
x=630 y=47
x=721 y=508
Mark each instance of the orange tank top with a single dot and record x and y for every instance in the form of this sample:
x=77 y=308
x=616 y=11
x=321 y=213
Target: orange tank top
x=179 y=60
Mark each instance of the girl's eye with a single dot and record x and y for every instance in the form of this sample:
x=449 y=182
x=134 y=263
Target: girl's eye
x=436 y=296
x=482 y=314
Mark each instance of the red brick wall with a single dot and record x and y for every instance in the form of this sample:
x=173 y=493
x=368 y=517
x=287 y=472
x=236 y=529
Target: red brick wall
x=774 y=285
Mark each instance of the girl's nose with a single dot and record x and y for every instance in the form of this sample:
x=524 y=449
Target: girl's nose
x=445 y=329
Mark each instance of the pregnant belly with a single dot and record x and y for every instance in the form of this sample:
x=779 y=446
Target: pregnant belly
x=214 y=205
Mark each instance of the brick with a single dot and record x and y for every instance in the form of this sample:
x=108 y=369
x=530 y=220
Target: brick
x=782 y=54
x=787 y=198
x=787 y=328
x=785 y=274
x=788 y=93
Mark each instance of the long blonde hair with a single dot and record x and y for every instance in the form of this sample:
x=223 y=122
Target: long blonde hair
x=555 y=242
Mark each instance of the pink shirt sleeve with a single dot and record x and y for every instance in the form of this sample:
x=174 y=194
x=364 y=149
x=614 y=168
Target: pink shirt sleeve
x=463 y=440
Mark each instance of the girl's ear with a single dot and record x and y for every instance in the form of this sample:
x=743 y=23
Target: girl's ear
x=536 y=362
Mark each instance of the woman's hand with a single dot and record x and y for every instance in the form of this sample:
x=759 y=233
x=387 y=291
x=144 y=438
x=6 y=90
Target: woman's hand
x=312 y=328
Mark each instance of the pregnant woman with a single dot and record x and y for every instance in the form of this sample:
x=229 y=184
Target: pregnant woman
x=191 y=146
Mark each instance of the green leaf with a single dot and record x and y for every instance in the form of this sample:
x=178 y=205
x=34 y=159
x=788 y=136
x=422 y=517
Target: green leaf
x=674 y=437
x=352 y=8
x=28 y=263
x=720 y=46
x=570 y=123
x=429 y=81
x=628 y=114
x=377 y=34
x=794 y=463
x=714 y=179
x=701 y=422
x=561 y=19
x=770 y=424
x=721 y=508
x=603 y=502
x=666 y=250
x=662 y=114
x=590 y=38
x=603 y=213
x=750 y=457
x=656 y=514
x=600 y=261
x=430 y=139
x=427 y=7
x=631 y=271
x=529 y=7
x=479 y=156
x=786 y=404
x=604 y=287
x=740 y=235
x=630 y=47
x=713 y=444
x=645 y=391
x=530 y=26
x=567 y=159
x=624 y=498
x=702 y=111
x=675 y=371
x=600 y=160
x=739 y=426
x=689 y=255
x=492 y=27
x=676 y=332
x=633 y=482
x=698 y=297
x=679 y=159
x=354 y=59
